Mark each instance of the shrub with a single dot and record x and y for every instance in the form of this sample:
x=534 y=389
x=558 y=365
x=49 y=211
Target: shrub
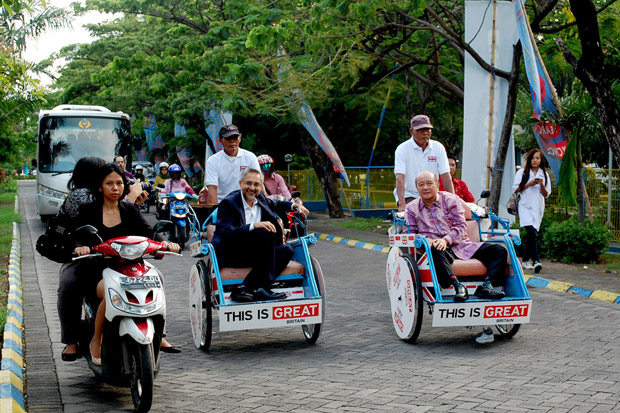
x=571 y=241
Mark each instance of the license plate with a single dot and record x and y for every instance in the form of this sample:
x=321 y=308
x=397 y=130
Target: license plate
x=148 y=281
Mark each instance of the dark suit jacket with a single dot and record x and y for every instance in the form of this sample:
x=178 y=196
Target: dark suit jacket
x=231 y=226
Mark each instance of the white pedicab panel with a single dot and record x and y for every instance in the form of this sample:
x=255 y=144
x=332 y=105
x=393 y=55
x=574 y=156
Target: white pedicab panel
x=401 y=291
x=495 y=312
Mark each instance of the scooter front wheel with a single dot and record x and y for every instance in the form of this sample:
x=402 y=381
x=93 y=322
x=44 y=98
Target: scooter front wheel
x=141 y=376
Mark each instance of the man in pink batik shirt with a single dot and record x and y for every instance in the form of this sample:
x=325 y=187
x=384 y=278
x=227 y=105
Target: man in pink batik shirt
x=440 y=218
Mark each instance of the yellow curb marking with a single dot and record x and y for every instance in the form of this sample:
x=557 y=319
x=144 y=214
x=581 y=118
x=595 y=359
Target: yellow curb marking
x=7 y=376
x=604 y=296
x=559 y=286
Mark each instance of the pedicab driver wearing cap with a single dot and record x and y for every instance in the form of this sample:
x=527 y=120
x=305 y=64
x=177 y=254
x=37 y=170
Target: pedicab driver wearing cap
x=248 y=235
x=418 y=154
x=224 y=169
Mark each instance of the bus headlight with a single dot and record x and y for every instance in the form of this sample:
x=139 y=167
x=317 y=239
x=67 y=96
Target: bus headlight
x=44 y=190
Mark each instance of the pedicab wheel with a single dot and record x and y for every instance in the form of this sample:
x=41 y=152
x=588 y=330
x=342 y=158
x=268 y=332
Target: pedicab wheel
x=141 y=374
x=201 y=318
x=312 y=331
x=507 y=330
x=405 y=291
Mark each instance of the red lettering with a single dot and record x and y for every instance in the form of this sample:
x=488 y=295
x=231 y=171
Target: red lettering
x=295 y=311
x=503 y=311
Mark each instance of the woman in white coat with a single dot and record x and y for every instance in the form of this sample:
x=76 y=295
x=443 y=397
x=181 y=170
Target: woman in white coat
x=534 y=185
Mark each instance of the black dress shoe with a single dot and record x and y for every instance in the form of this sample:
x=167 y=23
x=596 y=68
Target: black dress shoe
x=460 y=291
x=70 y=356
x=266 y=294
x=171 y=349
x=241 y=295
x=497 y=293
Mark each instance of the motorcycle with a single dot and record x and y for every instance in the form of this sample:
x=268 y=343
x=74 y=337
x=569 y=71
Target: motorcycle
x=135 y=312
x=175 y=206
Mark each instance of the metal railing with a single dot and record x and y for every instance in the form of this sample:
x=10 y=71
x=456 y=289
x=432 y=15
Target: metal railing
x=379 y=192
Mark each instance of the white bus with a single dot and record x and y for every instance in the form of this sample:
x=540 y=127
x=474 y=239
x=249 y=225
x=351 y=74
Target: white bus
x=68 y=133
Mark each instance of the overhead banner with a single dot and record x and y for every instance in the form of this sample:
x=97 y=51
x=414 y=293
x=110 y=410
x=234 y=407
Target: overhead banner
x=550 y=136
x=215 y=120
x=478 y=112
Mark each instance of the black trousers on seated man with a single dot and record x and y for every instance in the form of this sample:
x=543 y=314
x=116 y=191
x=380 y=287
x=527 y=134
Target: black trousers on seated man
x=493 y=256
x=263 y=251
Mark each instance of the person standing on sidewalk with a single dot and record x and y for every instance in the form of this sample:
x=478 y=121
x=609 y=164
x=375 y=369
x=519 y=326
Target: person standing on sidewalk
x=417 y=155
x=534 y=185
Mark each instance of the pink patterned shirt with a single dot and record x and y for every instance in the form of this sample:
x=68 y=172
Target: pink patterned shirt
x=444 y=219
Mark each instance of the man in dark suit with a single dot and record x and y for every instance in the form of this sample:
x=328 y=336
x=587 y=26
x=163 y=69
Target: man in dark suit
x=248 y=235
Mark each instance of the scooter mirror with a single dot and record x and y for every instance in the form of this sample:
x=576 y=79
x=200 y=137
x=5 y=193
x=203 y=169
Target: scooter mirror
x=87 y=235
x=485 y=193
x=163 y=226
x=161 y=185
x=295 y=194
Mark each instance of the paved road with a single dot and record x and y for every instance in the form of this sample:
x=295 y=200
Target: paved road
x=566 y=359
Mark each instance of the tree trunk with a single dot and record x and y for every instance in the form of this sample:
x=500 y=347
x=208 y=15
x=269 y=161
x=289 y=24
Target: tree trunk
x=325 y=173
x=591 y=70
x=502 y=147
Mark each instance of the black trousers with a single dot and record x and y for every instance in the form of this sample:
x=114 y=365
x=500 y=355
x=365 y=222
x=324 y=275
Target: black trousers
x=493 y=256
x=77 y=280
x=261 y=250
x=531 y=244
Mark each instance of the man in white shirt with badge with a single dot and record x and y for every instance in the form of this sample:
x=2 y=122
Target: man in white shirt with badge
x=416 y=155
x=224 y=169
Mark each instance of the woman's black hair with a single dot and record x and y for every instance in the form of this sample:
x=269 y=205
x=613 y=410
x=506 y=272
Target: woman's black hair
x=104 y=171
x=528 y=167
x=84 y=171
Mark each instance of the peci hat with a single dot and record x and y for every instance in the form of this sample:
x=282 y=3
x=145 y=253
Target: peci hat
x=420 y=122
x=227 y=131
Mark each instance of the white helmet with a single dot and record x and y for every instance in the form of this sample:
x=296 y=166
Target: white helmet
x=164 y=165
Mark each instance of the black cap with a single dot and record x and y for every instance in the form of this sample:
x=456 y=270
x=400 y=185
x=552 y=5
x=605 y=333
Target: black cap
x=227 y=131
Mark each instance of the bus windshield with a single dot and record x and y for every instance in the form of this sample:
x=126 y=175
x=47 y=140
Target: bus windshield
x=63 y=140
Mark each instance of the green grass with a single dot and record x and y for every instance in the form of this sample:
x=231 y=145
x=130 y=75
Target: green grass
x=612 y=262
x=364 y=224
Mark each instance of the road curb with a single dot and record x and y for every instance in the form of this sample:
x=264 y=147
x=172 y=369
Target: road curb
x=530 y=280
x=12 y=367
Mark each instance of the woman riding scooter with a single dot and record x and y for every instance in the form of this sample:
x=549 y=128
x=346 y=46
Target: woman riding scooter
x=112 y=218
x=176 y=183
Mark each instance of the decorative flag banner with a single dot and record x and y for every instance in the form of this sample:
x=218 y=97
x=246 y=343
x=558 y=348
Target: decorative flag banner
x=308 y=120
x=183 y=153
x=550 y=136
x=141 y=155
x=216 y=119
x=529 y=58
x=153 y=138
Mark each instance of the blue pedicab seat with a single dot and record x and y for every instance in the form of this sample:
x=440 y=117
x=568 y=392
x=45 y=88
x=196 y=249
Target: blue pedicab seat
x=411 y=281
x=210 y=287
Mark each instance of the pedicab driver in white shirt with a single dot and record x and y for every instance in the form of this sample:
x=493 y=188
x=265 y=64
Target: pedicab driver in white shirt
x=416 y=155
x=224 y=169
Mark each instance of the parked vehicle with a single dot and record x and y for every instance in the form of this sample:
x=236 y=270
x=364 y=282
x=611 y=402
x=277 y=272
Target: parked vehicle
x=135 y=312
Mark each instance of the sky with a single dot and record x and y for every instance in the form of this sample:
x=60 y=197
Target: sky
x=53 y=40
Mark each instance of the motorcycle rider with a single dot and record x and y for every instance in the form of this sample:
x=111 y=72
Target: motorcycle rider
x=176 y=183
x=112 y=219
x=163 y=174
x=274 y=183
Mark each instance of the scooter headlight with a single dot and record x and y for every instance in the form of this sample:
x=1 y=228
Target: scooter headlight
x=179 y=195
x=117 y=301
x=130 y=251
